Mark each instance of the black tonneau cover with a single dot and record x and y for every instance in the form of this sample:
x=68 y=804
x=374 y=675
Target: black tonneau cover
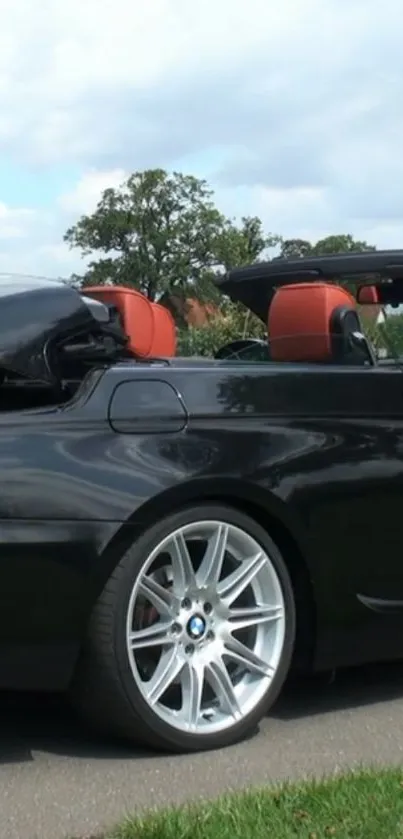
x=255 y=285
x=33 y=312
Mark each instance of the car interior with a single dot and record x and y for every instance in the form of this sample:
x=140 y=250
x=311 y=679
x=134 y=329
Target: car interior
x=307 y=322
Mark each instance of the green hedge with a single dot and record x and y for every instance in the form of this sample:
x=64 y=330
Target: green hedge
x=392 y=334
x=206 y=340
x=234 y=322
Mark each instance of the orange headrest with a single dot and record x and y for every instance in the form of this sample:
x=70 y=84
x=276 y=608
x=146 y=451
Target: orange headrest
x=149 y=327
x=299 y=321
x=164 y=342
x=369 y=295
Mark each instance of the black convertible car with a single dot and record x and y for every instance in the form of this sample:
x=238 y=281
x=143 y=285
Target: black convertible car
x=177 y=534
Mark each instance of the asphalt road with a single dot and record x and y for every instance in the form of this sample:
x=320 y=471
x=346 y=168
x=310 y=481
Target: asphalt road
x=57 y=782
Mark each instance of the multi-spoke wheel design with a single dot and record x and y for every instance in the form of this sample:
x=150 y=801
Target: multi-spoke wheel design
x=209 y=606
x=192 y=638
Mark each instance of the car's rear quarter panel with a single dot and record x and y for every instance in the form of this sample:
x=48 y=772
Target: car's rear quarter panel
x=311 y=450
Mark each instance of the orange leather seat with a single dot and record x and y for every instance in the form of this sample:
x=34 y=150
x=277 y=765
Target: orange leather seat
x=150 y=327
x=164 y=342
x=310 y=321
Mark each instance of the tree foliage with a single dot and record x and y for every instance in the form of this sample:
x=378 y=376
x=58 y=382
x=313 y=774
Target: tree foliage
x=245 y=244
x=162 y=233
x=342 y=243
x=234 y=321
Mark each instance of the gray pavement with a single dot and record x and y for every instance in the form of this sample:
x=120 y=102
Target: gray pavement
x=57 y=782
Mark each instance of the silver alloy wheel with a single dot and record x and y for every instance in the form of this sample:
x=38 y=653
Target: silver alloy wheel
x=205 y=627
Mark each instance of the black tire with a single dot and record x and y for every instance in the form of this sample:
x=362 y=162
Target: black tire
x=104 y=690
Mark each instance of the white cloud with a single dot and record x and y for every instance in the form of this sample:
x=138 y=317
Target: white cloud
x=48 y=260
x=80 y=79
x=42 y=250
x=303 y=209
x=14 y=223
x=296 y=102
x=55 y=56
x=85 y=195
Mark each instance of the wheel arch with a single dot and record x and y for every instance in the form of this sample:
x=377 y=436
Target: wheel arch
x=271 y=513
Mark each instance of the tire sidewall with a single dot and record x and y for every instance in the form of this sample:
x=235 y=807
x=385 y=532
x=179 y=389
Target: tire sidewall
x=133 y=562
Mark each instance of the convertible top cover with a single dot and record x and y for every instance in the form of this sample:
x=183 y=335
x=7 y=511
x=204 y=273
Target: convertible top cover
x=33 y=312
x=255 y=285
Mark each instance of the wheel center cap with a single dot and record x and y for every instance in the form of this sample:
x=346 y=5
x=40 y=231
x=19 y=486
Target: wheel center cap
x=196 y=627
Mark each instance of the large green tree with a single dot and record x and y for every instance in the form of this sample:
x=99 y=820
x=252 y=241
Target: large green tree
x=163 y=234
x=244 y=244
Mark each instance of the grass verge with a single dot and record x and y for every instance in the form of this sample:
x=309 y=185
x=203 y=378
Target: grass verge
x=363 y=805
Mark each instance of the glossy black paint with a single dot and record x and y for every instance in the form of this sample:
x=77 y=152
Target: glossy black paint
x=255 y=285
x=33 y=312
x=315 y=453
x=159 y=407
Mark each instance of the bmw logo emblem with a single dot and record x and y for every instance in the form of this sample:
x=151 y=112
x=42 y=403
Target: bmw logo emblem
x=196 y=627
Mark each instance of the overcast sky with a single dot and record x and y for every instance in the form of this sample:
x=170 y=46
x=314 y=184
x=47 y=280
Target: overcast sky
x=292 y=110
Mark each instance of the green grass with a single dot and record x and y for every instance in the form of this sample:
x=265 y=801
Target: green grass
x=365 y=805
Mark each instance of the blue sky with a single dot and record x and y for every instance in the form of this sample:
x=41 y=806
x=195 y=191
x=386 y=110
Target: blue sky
x=23 y=185
x=292 y=111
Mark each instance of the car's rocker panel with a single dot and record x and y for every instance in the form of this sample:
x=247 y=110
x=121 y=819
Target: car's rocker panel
x=82 y=480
